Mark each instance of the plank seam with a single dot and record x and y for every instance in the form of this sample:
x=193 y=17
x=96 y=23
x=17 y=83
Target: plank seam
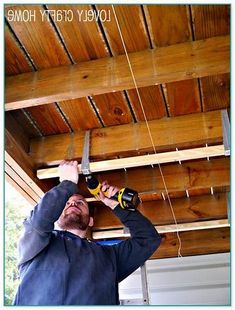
x=102 y=31
x=63 y=116
x=146 y=26
x=32 y=121
x=93 y=105
x=59 y=34
x=129 y=103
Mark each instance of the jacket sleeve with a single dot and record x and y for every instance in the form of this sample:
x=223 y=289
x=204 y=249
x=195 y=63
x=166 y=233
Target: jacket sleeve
x=144 y=241
x=39 y=225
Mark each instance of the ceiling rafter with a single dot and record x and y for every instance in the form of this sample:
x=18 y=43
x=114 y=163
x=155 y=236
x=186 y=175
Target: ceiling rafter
x=166 y=64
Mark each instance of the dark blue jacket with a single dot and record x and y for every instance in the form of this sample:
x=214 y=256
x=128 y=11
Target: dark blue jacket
x=60 y=268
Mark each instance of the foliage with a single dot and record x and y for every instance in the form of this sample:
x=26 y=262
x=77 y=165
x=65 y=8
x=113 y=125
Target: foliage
x=16 y=210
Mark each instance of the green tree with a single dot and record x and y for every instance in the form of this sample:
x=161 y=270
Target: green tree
x=16 y=210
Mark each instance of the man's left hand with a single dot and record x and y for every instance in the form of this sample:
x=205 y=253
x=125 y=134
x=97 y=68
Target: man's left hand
x=68 y=170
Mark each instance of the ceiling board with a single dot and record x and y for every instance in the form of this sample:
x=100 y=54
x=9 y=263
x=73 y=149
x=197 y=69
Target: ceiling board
x=152 y=101
x=48 y=119
x=39 y=39
x=22 y=120
x=183 y=97
x=84 y=42
x=210 y=21
x=134 y=32
x=216 y=92
x=80 y=114
x=83 y=39
x=132 y=27
x=15 y=60
x=45 y=49
x=112 y=108
x=170 y=24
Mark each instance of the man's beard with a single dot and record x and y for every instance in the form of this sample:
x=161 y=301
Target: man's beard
x=73 y=221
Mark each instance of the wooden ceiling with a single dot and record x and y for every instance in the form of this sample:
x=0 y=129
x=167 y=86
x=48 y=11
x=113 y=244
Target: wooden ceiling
x=65 y=77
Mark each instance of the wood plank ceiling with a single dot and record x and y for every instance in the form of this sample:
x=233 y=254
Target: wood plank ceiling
x=197 y=188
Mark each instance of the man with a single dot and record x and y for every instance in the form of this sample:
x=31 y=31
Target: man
x=62 y=267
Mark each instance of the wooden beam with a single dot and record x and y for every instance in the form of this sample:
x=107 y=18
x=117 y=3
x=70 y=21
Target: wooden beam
x=144 y=160
x=131 y=139
x=19 y=161
x=119 y=233
x=190 y=175
x=162 y=65
x=193 y=209
x=20 y=189
x=196 y=242
x=15 y=129
x=21 y=183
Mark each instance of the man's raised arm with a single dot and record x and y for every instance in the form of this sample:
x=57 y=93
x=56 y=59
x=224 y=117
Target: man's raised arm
x=39 y=225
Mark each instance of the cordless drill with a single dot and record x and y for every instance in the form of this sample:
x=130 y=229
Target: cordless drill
x=127 y=198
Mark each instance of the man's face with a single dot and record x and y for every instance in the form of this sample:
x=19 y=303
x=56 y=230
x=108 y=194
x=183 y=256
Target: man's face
x=75 y=214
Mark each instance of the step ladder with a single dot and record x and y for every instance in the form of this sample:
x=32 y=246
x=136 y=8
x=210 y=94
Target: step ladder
x=145 y=290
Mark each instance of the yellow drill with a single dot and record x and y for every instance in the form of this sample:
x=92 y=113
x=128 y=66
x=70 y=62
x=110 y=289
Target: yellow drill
x=127 y=198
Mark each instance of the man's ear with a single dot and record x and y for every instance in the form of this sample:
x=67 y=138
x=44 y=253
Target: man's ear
x=91 y=221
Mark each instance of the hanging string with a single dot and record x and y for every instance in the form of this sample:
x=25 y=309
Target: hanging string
x=149 y=131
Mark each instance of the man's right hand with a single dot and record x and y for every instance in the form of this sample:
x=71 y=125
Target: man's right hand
x=68 y=170
x=109 y=192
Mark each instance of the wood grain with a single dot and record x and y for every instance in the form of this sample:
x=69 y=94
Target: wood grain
x=130 y=139
x=132 y=27
x=213 y=20
x=216 y=92
x=135 y=38
x=198 y=208
x=45 y=49
x=83 y=39
x=17 y=131
x=166 y=64
x=112 y=108
x=200 y=242
x=15 y=60
x=142 y=160
x=16 y=63
x=23 y=165
x=80 y=114
x=84 y=42
x=30 y=130
x=193 y=175
x=48 y=119
x=183 y=97
x=170 y=24
x=152 y=101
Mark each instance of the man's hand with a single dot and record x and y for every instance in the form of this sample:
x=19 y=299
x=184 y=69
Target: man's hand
x=109 y=192
x=68 y=170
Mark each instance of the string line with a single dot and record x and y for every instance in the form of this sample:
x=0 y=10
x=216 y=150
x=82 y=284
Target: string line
x=149 y=131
